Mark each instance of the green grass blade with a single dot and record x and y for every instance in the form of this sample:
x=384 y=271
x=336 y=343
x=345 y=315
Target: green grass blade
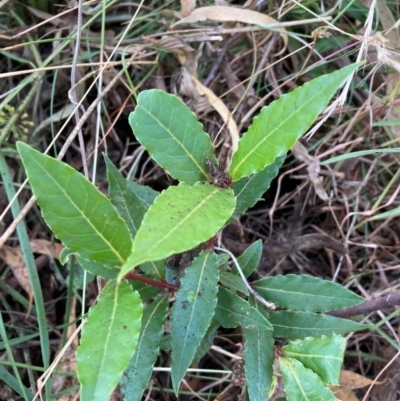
x=192 y=312
x=76 y=211
x=172 y=135
x=279 y=125
x=31 y=268
x=108 y=341
x=180 y=218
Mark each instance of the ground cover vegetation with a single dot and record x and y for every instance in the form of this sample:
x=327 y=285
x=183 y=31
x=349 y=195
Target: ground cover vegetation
x=237 y=238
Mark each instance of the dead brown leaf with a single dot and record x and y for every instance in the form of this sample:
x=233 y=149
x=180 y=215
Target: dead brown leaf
x=222 y=110
x=44 y=247
x=13 y=257
x=187 y=7
x=344 y=393
x=354 y=380
x=227 y=14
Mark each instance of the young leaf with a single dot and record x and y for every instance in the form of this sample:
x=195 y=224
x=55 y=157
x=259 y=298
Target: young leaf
x=137 y=375
x=233 y=311
x=75 y=210
x=172 y=135
x=258 y=355
x=279 y=125
x=249 y=190
x=108 y=340
x=250 y=258
x=128 y=204
x=306 y=293
x=323 y=355
x=180 y=218
x=302 y=384
x=296 y=325
x=192 y=312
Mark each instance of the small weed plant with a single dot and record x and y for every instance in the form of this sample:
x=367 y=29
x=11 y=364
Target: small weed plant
x=158 y=253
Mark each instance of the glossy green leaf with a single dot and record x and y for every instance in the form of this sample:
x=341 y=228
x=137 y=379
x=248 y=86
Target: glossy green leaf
x=181 y=218
x=172 y=135
x=306 y=293
x=323 y=355
x=302 y=384
x=75 y=210
x=258 y=356
x=279 y=125
x=249 y=190
x=192 y=312
x=297 y=325
x=233 y=311
x=130 y=207
x=250 y=258
x=233 y=282
x=136 y=377
x=108 y=340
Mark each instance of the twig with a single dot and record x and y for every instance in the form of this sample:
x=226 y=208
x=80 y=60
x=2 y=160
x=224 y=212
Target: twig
x=162 y=284
x=372 y=305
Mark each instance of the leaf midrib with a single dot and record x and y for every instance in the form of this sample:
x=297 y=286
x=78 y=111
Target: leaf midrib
x=81 y=212
x=176 y=139
x=254 y=149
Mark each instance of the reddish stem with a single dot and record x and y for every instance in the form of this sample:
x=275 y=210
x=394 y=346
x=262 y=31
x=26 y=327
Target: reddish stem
x=137 y=277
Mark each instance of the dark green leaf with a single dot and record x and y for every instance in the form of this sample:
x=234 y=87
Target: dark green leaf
x=128 y=204
x=233 y=282
x=181 y=218
x=249 y=190
x=155 y=270
x=250 y=258
x=172 y=135
x=306 y=293
x=302 y=384
x=279 y=125
x=258 y=356
x=99 y=269
x=146 y=292
x=323 y=355
x=75 y=210
x=297 y=325
x=137 y=375
x=206 y=342
x=108 y=340
x=192 y=312
x=233 y=311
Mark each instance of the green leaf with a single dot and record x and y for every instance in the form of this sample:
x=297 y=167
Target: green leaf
x=180 y=218
x=249 y=190
x=137 y=375
x=296 y=325
x=233 y=282
x=302 y=384
x=99 y=269
x=75 y=210
x=146 y=292
x=206 y=342
x=192 y=312
x=108 y=340
x=306 y=293
x=323 y=355
x=130 y=207
x=250 y=258
x=258 y=356
x=155 y=270
x=172 y=135
x=233 y=311
x=279 y=125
